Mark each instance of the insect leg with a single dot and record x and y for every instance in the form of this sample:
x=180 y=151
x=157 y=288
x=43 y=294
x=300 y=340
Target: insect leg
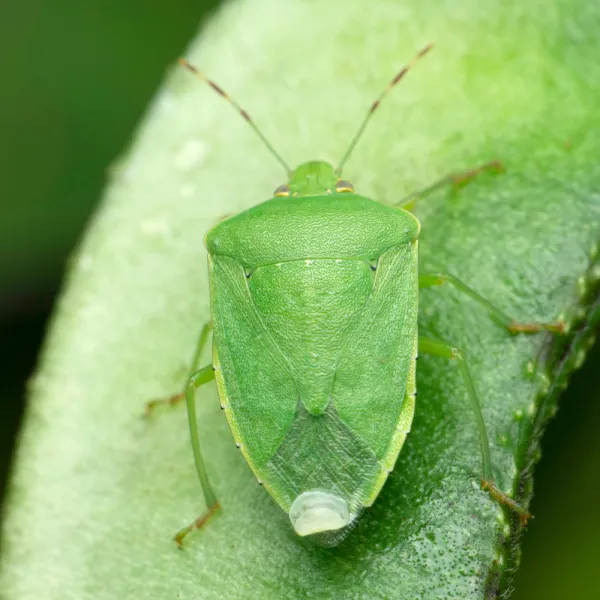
x=444 y=350
x=197 y=379
x=433 y=279
x=456 y=180
x=177 y=398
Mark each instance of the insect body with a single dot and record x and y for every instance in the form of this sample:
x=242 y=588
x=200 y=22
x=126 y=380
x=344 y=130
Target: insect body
x=314 y=304
x=314 y=297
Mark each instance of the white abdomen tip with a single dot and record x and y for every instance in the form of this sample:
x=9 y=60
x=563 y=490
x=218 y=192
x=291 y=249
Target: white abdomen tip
x=314 y=512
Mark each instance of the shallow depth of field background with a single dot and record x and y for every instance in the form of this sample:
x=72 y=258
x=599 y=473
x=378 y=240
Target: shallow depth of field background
x=76 y=77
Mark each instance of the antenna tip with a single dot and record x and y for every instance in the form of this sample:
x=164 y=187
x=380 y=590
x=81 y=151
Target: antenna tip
x=426 y=49
x=186 y=64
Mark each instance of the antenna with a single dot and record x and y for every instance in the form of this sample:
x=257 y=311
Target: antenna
x=376 y=104
x=242 y=112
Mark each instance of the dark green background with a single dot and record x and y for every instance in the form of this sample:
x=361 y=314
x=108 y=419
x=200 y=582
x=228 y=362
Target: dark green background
x=76 y=77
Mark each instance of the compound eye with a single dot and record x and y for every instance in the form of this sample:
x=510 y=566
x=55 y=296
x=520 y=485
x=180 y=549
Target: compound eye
x=282 y=191
x=343 y=186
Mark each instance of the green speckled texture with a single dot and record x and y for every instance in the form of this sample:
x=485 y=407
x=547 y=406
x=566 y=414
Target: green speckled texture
x=97 y=492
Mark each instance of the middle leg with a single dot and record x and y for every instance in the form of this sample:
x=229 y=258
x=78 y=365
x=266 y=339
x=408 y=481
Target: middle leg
x=435 y=279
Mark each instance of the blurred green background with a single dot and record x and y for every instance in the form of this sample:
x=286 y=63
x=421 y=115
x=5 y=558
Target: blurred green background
x=76 y=79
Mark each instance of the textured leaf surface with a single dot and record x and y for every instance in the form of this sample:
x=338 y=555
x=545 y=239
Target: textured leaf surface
x=97 y=492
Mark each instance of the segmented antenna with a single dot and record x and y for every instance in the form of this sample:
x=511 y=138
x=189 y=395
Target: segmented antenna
x=376 y=104
x=242 y=112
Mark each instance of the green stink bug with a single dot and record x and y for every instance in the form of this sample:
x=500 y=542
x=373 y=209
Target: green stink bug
x=314 y=302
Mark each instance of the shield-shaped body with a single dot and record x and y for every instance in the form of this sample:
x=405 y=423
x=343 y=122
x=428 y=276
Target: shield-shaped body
x=314 y=306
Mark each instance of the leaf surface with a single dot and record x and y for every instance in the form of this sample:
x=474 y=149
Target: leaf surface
x=97 y=492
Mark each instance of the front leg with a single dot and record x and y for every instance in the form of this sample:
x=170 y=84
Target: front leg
x=455 y=180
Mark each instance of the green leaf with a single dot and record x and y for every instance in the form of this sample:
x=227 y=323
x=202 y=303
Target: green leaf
x=97 y=492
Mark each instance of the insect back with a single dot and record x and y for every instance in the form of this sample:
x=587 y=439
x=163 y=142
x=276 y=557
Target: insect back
x=314 y=305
